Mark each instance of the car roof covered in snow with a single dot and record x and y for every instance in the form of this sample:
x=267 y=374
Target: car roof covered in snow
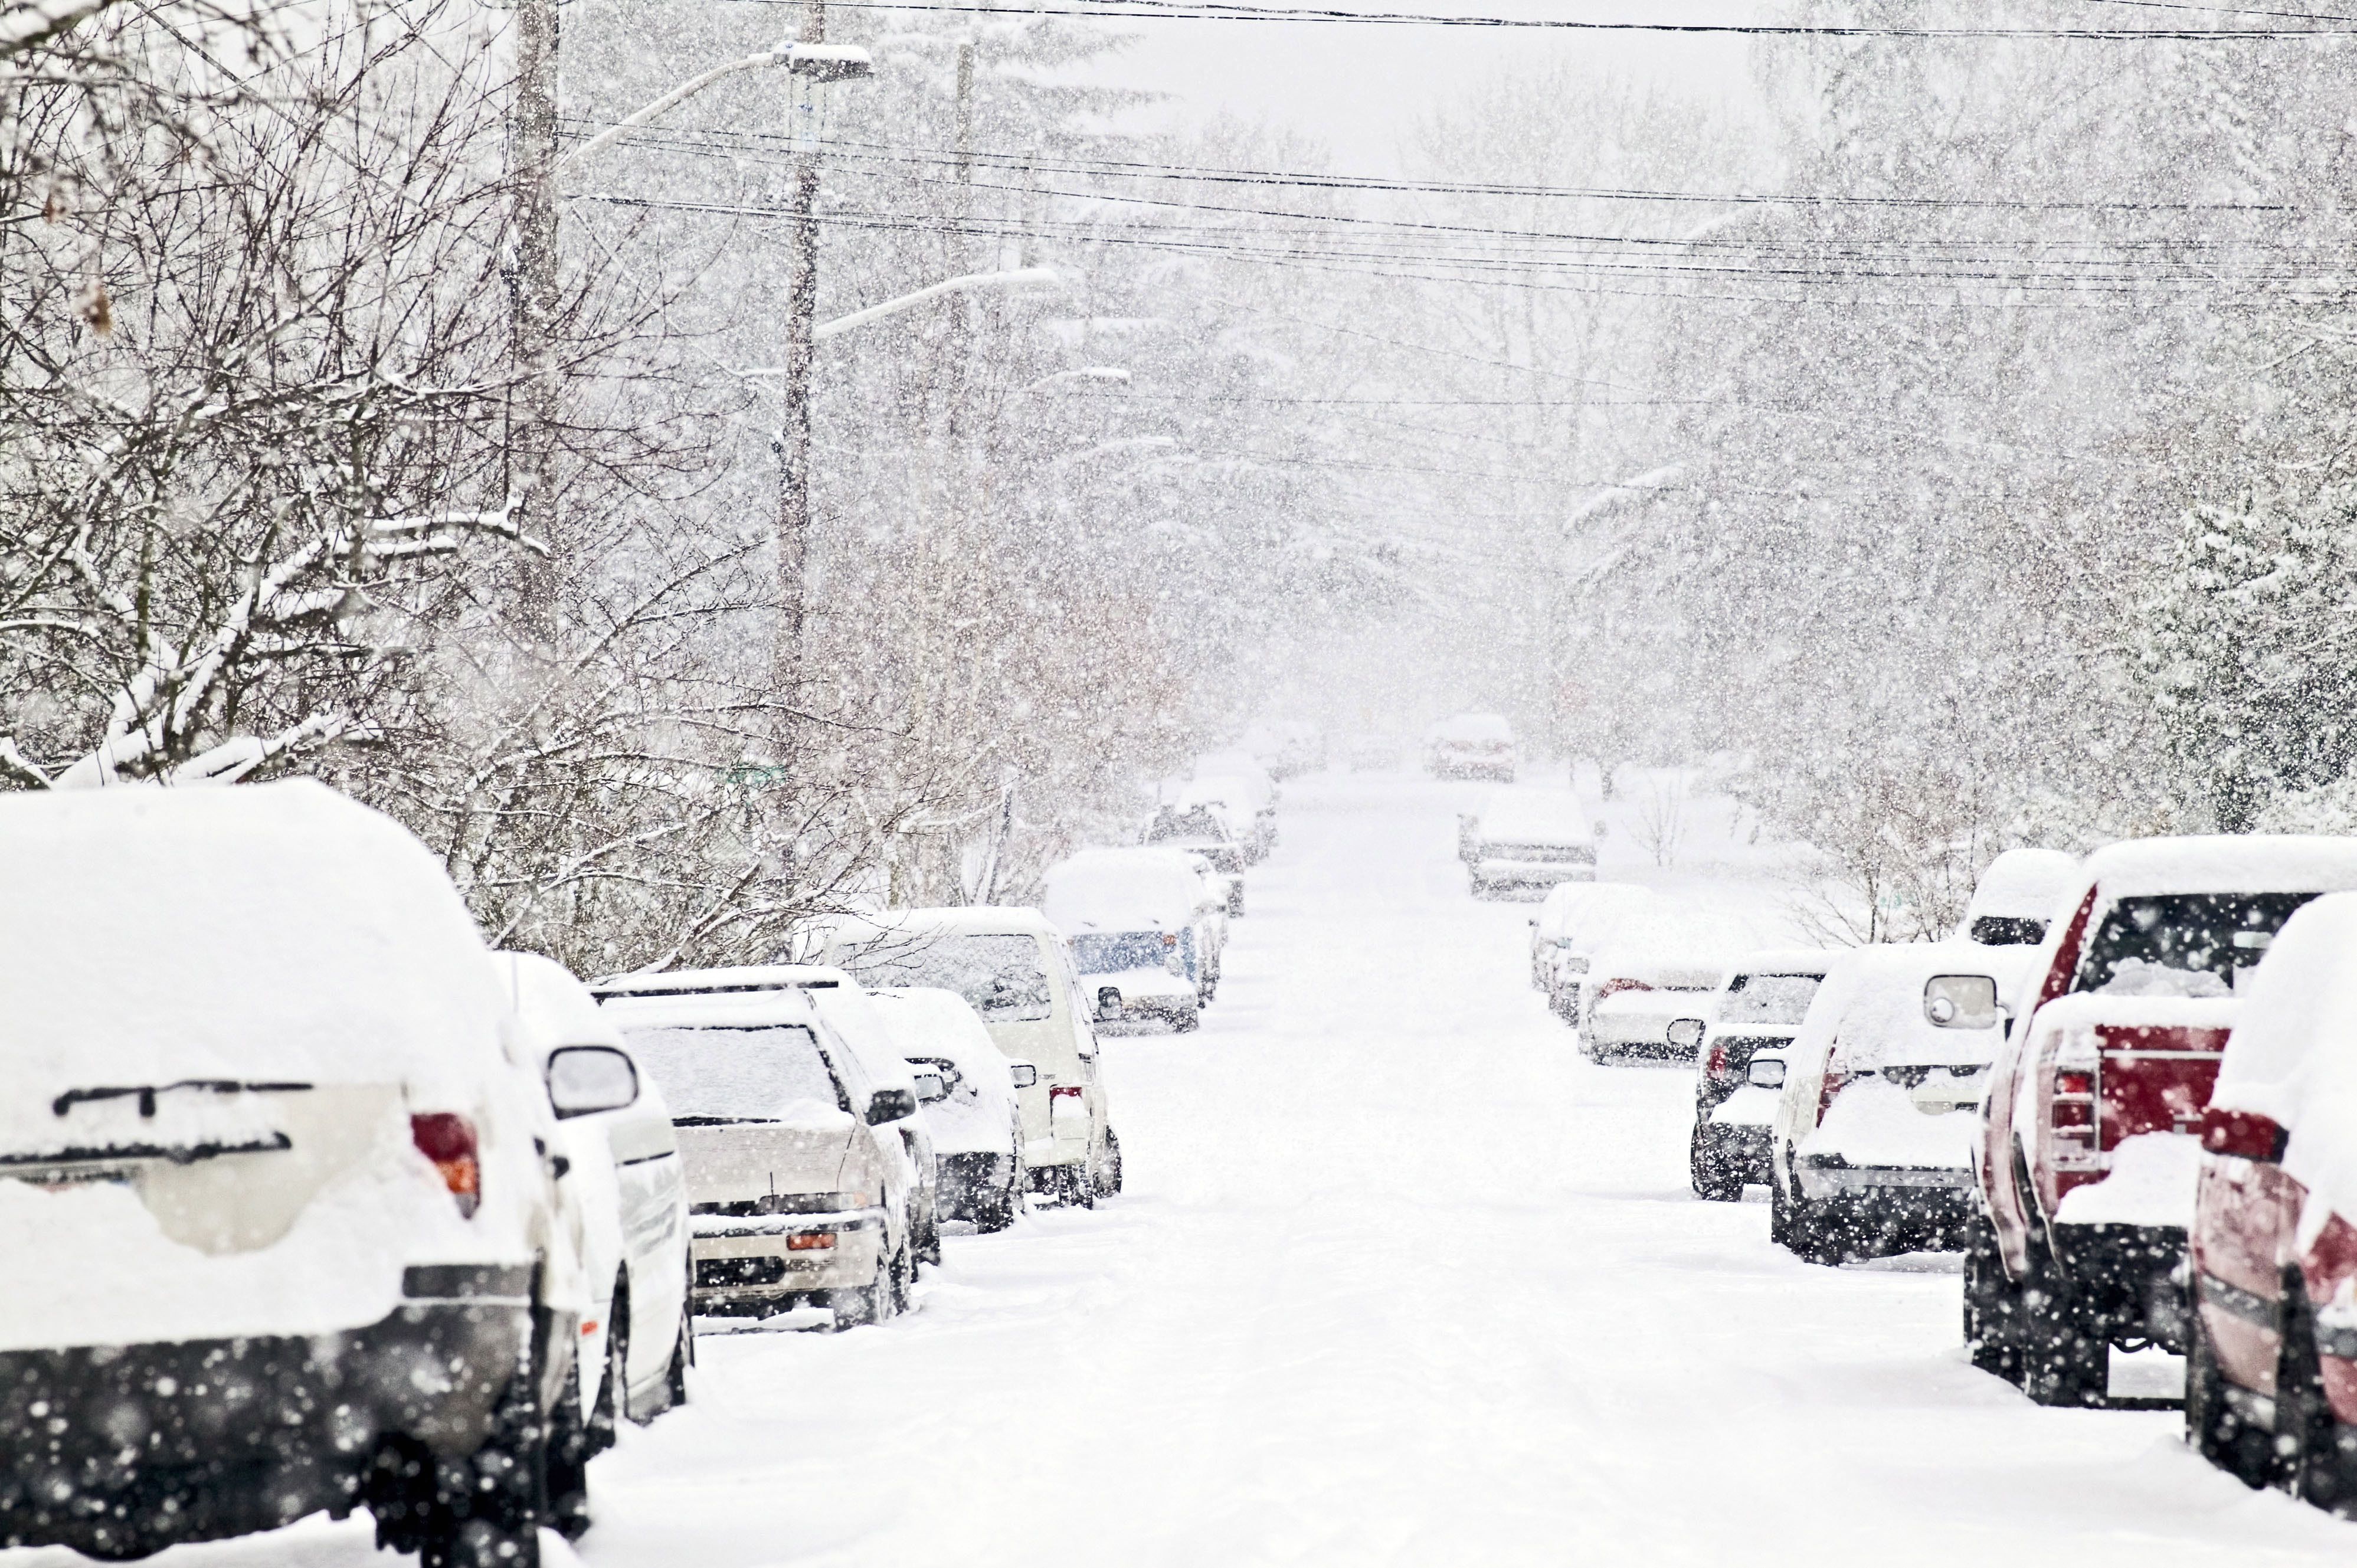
x=2222 y=863
x=1783 y=961
x=1545 y=816
x=713 y=995
x=266 y=932
x=2025 y=884
x=926 y=1021
x=552 y=1007
x=954 y=920
x=2297 y=1005
x=1472 y=727
x=1122 y=890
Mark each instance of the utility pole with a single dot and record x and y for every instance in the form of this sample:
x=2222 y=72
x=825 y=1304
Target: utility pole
x=532 y=150
x=801 y=318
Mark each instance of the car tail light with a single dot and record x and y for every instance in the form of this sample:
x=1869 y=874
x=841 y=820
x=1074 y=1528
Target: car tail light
x=449 y=1142
x=2331 y=1260
x=811 y=1241
x=1714 y=1066
x=1617 y=985
x=2074 y=1105
x=2242 y=1133
x=1061 y=1090
x=1835 y=1081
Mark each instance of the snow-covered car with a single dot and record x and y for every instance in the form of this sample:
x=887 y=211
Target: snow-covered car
x=1372 y=753
x=1870 y=1152
x=2018 y=897
x=1287 y=746
x=800 y=1190
x=1233 y=780
x=1527 y=841
x=1134 y=921
x=281 y=1228
x=978 y=1121
x=2088 y=1150
x=1216 y=891
x=625 y=1175
x=1637 y=990
x=1471 y=745
x=1206 y=829
x=1013 y=967
x=2271 y=1365
x=1760 y=1008
x=1598 y=915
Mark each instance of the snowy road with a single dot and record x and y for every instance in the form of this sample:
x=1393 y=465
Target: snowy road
x=1399 y=1279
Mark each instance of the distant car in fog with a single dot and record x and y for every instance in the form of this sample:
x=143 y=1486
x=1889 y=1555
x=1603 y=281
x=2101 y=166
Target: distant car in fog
x=1372 y=753
x=1233 y=779
x=2018 y=897
x=1527 y=841
x=1598 y=915
x=1207 y=828
x=1637 y=989
x=1760 y=1009
x=1471 y=745
x=1138 y=938
x=1287 y=746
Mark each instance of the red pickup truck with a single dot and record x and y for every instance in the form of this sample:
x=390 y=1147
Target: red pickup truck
x=2088 y=1150
x=2271 y=1375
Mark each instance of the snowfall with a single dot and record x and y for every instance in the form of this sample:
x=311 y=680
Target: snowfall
x=1397 y=1279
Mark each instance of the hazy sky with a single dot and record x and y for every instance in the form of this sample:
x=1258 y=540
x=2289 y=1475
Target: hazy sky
x=1357 y=87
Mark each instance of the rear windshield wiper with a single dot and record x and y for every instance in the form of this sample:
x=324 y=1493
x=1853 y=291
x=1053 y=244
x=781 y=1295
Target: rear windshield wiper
x=148 y=1091
x=716 y=1121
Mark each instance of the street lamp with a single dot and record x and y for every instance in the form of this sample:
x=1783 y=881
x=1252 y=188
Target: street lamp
x=816 y=64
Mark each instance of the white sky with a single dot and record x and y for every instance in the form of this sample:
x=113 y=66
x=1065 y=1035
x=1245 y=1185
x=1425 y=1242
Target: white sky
x=1356 y=88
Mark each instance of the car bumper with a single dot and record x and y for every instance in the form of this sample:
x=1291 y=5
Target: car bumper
x=1741 y=1151
x=1529 y=873
x=2126 y=1281
x=1892 y=1208
x=751 y=1263
x=120 y=1451
x=970 y=1181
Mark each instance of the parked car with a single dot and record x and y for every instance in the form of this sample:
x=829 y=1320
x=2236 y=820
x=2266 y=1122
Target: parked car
x=1233 y=781
x=2088 y=1150
x=801 y=1190
x=1636 y=990
x=1204 y=830
x=1013 y=969
x=1287 y=746
x=1870 y=1152
x=265 y=1154
x=625 y=1174
x=1602 y=914
x=2020 y=894
x=1760 y=1008
x=1372 y=753
x=1471 y=745
x=1530 y=840
x=2271 y=1363
x=1135 y=922
x=976 y=1119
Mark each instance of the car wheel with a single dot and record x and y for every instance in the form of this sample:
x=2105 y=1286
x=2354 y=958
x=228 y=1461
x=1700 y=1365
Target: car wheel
x=2060 y=1363
x=1110 y=1186
x=1188 y=1021
x=2317 y=1454
x=904 y=1280
x=682 y=1356
x=1706 y=1168
x=1992 y=1304
x=568 y=1461
x=870 y=1304
x=614 y=1398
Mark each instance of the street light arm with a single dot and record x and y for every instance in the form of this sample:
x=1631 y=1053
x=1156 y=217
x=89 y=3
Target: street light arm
x=1023 y=277
x=686 y=90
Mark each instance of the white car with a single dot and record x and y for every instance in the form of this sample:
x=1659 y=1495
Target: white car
x=1139 y=933
x=1634 y=992
x=1527 y=841
x=800 y=1188
x=1236 y=783
x=1471 y=745
x=274 y=1180
x=626 y=1178
x=1870 y=1152
x=1012 y=967
x=976 y=1119
x=1593 y=916
x=2020 y=895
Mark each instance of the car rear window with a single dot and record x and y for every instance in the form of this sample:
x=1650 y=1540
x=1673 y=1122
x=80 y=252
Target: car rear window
x=716 y=1073
x=1776 y=999
x=1111 y=952
x=2183 y=944
x=999 y=975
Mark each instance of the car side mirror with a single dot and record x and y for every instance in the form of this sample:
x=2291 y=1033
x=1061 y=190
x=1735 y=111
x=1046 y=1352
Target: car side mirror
x=1024 y=1074
x=1765 y=1072
x=932 y=1088
x=1687 y=1033
x=1108 y=1005
x=586 y=1079
x=890 y=1105
x=1961 y=1001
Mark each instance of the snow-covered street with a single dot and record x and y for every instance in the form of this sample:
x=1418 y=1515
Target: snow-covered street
x=1398 y=1278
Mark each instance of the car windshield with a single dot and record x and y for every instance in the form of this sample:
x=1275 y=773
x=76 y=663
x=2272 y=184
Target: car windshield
x=2183 y=944
x=1111 y=952
x=999 y=975
x=1778 y=1000
x=1196 y=825
x=713 y=1073
x=2007 y=931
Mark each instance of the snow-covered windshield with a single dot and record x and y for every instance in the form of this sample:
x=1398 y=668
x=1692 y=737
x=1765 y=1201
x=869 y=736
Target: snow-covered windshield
x=1000 y=976
x=1111 y=952
x=1774 y=999
x=718 y=1073
x=2183 y=944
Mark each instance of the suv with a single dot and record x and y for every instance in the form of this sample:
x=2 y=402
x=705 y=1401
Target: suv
x=1139 y=933
x=2271 y=1367
x=800 y=1191
x=283 y=1230
x=1471 y=745
x=1012 y=967
x=2087 y=1151
x=1764 y=1002
x=1527 y=841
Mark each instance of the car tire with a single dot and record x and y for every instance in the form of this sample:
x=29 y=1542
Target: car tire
x=568 y=1461
x=2060 y=1363
x=1993 y=1309
x=904 y=1280
x=682 y=1356
x=2317 y=1454
x=870 y=1304
x=614 y=1398
x=1706 y=1168
x=1188 y=1021
x=1111 y=1185
x=1236 y=902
